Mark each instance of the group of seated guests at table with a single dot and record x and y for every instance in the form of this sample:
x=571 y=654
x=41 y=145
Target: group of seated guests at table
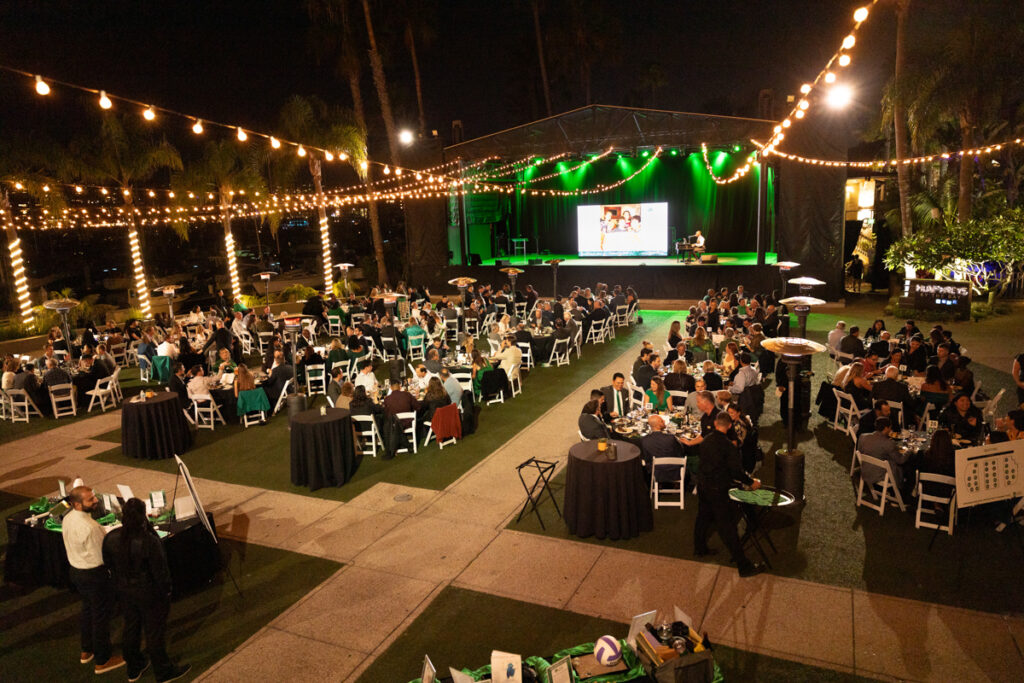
x=736 y=310
x=38 y=379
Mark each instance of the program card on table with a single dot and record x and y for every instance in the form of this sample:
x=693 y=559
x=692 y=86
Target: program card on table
x=506 y=667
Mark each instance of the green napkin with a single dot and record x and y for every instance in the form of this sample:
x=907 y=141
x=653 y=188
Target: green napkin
x=107 y=519
x=760 y=497
x=41 y=505
x=52 y=524
x=166 y=517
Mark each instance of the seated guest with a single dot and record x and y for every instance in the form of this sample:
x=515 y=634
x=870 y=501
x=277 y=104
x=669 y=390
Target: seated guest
x=857 y=386
x=881 y=346
x=891 y=389
x=177 y=382
x=712 y=380
x=869 y=419
x=399 y=401
x=590 y=424
x=433 y=361
x=1009 y=428
x=616 y=397
x=963 y=418
x=746 y=376
x=679 y=352
x=37 y=391
x=336 y=353
x=679 y=379
x=879 y=444
x=198 y=387
x=418 y=382
x=280 y=373
x=509 y=358
x=103 y=360
x=940 y=458
x=917 y=357
x=659 y=444
x=53 y=375
x=755 y=338
x=223 y=364
x=87 y=376
x=244 y=379
x=480 y=366
x=963 y=376
x=836 y=334
x=851 y=344
x=433 y=398
x=645 y=351
x=367 y=379
x=935 y=390
x=674 y=334
x=908 y=331
x=11 y=367
x=701 y=343
x=944 y=361
x=361 y=404
x=645 y=373
x=309 y=357
x=334 y=386
x=343 y=396
x=451 y=385
x=657 y=396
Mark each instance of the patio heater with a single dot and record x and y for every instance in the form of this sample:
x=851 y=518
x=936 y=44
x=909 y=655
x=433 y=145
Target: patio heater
x=62 y=306
x=265 y=277
x=784 y=268
x=554 y=275
x=343 y=267
x=168 y=291
x=789 y=462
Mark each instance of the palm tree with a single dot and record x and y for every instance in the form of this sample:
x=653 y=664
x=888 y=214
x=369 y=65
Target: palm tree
x=312 y=121
x=26 y=169
x=124 y=155
x=222 y=170
x=416 y=15
x=535 y=6
x=899 y=115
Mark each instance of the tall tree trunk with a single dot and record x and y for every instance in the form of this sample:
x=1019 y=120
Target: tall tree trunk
x=21 y=301
x=410 y=41
x=540 y=55
x=965 y=197
x=138 y=265
x=325 y=228
x=259 y=242
x=903 y=171
x=381 y=84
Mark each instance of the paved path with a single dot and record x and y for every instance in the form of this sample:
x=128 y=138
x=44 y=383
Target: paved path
x=399 y=555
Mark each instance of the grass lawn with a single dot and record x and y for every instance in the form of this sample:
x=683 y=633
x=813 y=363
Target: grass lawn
x=830 y=540
x=259 y=456
x=461 y=627
x=39 y=627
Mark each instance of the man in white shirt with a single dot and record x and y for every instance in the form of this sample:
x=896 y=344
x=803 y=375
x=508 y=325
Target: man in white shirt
x=367 y=379
x=198 y=387
x=837 y=334
x=168 y=348
x=510 y=357
x=83 y=541
x=238 y=325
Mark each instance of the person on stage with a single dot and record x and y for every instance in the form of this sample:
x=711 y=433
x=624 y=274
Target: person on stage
x=698 y=241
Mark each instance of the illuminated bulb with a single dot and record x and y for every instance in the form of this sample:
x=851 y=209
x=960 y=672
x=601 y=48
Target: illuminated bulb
x=198 y=127
x=328 y=156
x=46 y=188
x=844 y=60
x=786 y=123
x=387 y=170
x=19 y=186
x=126 y=192
x=805 y=88
x=342 y=156
x=799 y=113
x=78 y=189
x=405 y=137
x=419 y=176
x=171 y=195
x=839 y=96
x=849 y=41
x=275 y=143
x=148 y=114
x=105 y=102
x=191 y=195
x=861 y=14
x=398 y=171
x=803 y=104
x=41 y=86
x=302 y=151
x=780 y=137
x=242 y=136
x=830 y=77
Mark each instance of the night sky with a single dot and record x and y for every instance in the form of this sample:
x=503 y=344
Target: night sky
x=238 y=61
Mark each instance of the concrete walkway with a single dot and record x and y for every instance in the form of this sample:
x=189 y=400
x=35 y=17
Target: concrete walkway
x=400 y=554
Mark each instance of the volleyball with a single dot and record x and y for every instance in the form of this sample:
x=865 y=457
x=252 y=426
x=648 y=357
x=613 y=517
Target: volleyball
x=607 y=651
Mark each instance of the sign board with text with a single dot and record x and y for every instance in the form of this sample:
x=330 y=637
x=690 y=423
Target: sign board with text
x=948 y=296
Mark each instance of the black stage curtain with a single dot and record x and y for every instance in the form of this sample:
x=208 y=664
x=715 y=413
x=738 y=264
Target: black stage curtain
x=726 y=214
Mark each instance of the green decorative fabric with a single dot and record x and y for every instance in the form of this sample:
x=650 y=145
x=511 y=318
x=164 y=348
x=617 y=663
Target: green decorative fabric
x=634 y=669
x=161 y=371
x=41 y=505
x=251 y=401
x=52 y=524
x=107 y=519
x=760 y=497
x=164 y=517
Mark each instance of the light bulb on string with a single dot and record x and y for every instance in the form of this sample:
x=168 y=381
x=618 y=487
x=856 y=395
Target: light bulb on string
x=844 y=60
x=148 y=114
x=363 y=165
x=799 y=113
x=849 y=41
x=387 y=170
x=242 y=135
x=786 y=123
x=42 y=87
x=830 y=77
x=805 y=88
x=274 y=142
x=342 y=156
x=301 y=151
x=105 y=102
x=861 y=14
x=328 y=156
x=198 y=127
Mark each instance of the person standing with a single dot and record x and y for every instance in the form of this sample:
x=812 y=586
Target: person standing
x=83 y=541
x=721 y=467
x=143 y=584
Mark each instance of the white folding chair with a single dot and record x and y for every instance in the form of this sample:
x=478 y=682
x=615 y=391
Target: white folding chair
x=390 y=348
x=846 y=408
x=410 y=431
x=103 y=392
x=334 y=325
x=144 y=367
x=115 y=383
x=988 y=408
x=582 y=438
x=254 y=417
x=882 y=492
x=247 y=342
x=133 y=353
x=515 y=382
x=316 y=379
x=896 y=412
x=465 y=380
x=636 y=397
x=974 y=394
x=344 y=365
x=207 y=413
x=415 y=347
x=527 y=350
x=451 y=329
x=559 y=352
x=577 y=343
x=369 y=438
x=281 y=397
x=495 y=346
x=22 y=405
x=678 y=398
x=63 y=400
x=472 y=326
x=264 y=339
x=658 y=488
x=357 y=318
x=936 y=500
x=596 y=335
x=521 y=309
x=6 y=412
x=621 y=315
x=451 y=440
x=119 y=352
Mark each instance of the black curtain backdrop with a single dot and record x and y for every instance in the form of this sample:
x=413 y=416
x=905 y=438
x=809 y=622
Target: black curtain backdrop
x=727 y=214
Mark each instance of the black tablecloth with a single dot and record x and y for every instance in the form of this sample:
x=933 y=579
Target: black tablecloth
x=323 y=448
x=36 y=555
x=607 y=498
x=156 y=428
x=225 y=398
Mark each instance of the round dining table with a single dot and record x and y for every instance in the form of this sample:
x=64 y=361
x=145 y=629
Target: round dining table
x=323 y=449
x=156 y=428
x=607 y=498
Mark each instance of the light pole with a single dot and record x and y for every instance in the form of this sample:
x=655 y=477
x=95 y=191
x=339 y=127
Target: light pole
x=265 y=276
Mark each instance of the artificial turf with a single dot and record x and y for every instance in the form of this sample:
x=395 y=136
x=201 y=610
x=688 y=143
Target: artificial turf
x=460 y=628
x=259 y=456
x=39 y=627
x=830 y=540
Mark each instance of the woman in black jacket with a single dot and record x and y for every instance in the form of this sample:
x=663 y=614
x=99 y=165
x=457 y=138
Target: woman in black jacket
x=136 y=558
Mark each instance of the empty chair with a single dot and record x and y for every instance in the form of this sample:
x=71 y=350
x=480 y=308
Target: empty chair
x=247 y=341
x=939 y=492
x=207 y=413
x=596 y=335
x=527 y=350
x=390 y=348
x=472 y=326
x=119 y=352
x=560 y=352
x=493 y=386
x=516 y=382
x=334 y=325
x=63 y=400
x=577 y=343
x=284 y=393
x=495 y=346
x=621 y=315
x=316 y=379
x=22 y=405
x=408 y=422
x=846 y=408
x=103 y=393
x=115 y=383
x=658 y=488
x=882 y=492
x=369 y=437
x=144 y=367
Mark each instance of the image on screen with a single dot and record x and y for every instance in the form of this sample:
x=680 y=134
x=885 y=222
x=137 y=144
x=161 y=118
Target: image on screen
x=622 y=229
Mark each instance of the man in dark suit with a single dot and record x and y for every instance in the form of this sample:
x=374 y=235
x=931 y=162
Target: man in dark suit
x=852 y=343
x=221 y=337
x=616 y=398
x=771 y=322
x=917 y=358
x=280 y=373
x=177 y=383
x=522 y=335
x=27 y=380
x=721 y=467
x=879 y=444
x=891 y=389
x=557 y=309
x=599 y=313
x=881 y=347
x=677 y=353
x=646 y=372
x=590 y=424
x=870 y=419
x=659 y=444
x=531 y=297
x=103 y=360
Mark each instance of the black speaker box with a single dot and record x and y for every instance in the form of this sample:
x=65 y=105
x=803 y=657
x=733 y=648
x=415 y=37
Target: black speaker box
x=502 y=262
x=535 y=262
x=709 y=258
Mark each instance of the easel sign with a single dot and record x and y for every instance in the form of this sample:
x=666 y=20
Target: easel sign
x=191 y=486
x=429 y=673
x=989 y=473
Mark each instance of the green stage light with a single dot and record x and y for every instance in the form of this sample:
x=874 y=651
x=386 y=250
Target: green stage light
x=646 y=153
x=538 y=161
x=737 y=148
x=674 y=152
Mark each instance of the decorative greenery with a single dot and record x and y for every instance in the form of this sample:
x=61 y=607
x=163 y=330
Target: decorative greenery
x=981 y=251
x=296 y=293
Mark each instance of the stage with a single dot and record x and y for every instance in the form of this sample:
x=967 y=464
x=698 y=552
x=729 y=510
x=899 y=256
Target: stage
x=651 y=277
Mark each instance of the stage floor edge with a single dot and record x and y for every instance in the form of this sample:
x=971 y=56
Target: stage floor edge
x=738 y=258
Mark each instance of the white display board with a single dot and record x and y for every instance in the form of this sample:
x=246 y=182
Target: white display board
x=989 y=473
x=183 y=468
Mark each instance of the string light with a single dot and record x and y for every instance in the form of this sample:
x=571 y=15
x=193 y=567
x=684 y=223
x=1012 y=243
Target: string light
x=197 y=128
x=738 y=173
x=885 y=164
x=148 y=114
x=41 y=86
x=20 y=281
x=275 y=143
x=860 y=15
x=328 y=156
x=242 y=137
x=301 y=151
x=844 y=60
x=105 y=102
x=325 y=248
x=229 y=247
x=140 y=273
